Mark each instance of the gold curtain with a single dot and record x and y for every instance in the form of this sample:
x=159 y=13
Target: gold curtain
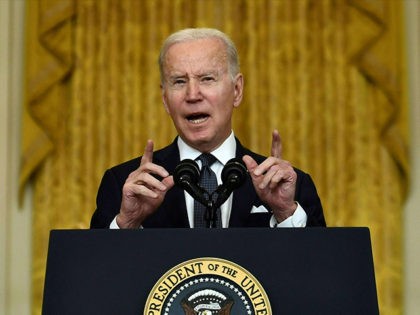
x=329 y=74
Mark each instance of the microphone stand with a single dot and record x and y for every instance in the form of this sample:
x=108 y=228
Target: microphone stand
x=210 y=215
x=214 y=201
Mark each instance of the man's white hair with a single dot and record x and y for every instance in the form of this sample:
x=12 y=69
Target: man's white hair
x=190 y=34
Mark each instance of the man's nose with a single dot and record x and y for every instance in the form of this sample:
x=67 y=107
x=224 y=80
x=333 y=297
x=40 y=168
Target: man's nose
x=193 y=91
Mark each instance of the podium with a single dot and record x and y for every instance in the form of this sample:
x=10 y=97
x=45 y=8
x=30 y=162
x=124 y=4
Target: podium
x=301 y=271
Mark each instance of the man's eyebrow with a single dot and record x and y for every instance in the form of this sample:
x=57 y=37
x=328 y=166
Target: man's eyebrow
x=207 y=73
x=204 y=74
x=196 y=75
x=177 y=76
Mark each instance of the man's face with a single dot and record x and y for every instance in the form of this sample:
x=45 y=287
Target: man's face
x=199 y=93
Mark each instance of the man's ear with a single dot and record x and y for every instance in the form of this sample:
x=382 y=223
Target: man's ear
x=238 y=89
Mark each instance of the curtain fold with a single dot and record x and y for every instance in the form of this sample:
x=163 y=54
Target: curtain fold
x=328 y=74
x=49 y=59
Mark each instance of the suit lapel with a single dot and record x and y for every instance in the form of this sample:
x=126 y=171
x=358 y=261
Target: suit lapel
x=243 y=197
x=173 y=216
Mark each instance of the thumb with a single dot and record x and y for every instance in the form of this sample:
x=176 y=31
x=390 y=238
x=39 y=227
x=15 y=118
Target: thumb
x=168 y=182
x=250 y=163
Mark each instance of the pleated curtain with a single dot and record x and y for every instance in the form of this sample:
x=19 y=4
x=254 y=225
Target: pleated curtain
x=328 y=74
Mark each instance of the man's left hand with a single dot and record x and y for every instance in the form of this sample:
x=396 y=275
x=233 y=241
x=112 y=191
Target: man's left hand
x=274 y=180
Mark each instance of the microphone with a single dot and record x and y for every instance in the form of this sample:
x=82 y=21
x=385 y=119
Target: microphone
x=233 y=176
x=186 y=176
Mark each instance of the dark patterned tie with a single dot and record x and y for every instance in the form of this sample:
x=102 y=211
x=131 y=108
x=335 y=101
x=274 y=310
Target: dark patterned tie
x=208 y=181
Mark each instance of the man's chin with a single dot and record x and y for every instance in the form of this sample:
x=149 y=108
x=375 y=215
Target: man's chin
x=203 y=143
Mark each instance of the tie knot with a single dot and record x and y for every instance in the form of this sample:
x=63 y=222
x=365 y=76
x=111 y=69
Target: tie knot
x=207 y=159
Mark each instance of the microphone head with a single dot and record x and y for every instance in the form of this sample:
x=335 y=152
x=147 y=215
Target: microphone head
x=234 y=173
x=186 y=171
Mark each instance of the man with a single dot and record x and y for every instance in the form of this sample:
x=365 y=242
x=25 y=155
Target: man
x=201 y=86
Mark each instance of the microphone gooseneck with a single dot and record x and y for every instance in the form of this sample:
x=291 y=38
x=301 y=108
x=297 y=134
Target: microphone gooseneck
x=186 y=176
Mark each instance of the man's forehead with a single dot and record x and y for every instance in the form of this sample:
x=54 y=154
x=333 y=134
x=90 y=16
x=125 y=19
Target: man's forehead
x=196 y=59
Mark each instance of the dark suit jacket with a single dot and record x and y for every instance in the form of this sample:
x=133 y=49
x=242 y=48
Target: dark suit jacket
x=173 y=213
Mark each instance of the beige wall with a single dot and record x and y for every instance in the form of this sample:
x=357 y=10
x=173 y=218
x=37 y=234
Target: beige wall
x=15 y=221
x=412 y=211
x=15 y=227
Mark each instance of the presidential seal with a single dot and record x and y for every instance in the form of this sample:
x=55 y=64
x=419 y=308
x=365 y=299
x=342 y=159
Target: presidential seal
x=207 y=286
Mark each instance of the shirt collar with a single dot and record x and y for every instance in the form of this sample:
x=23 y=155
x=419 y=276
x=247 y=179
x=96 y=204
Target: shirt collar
x=223 y=153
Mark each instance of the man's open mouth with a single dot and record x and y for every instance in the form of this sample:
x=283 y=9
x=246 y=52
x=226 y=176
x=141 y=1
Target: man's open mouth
x=197 y=118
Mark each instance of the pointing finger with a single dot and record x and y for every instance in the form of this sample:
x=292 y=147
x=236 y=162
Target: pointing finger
x=276 y=145
x=148 y=153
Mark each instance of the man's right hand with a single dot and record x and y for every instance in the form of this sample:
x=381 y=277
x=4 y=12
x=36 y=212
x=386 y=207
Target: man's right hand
x=142 y=192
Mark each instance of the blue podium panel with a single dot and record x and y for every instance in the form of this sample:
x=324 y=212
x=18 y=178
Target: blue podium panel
x=303 y=271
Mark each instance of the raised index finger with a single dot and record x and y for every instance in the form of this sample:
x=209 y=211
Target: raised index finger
x=276 y=146
x=148 y=153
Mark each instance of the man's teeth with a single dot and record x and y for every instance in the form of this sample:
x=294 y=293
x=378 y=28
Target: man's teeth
x=197 y=120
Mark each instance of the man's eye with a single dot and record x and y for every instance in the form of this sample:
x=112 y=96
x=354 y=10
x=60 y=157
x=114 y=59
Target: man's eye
x=207 y=79
x=178 y=82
